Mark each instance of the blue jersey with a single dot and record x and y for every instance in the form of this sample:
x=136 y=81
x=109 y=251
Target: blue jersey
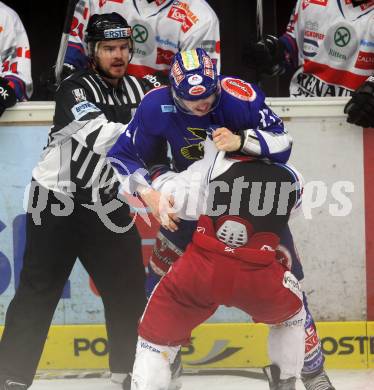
x=159 y=122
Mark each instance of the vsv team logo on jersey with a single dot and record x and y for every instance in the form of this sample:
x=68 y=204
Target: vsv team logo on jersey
x=194 y=151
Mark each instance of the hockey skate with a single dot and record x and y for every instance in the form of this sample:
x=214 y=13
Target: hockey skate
x=126 y=384
x=272 y=373
x=318 y=381
x=10 y=384
x=176 y=373
x=119 y=378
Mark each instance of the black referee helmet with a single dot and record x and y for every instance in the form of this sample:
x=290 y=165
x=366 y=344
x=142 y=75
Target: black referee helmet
x=106 y=27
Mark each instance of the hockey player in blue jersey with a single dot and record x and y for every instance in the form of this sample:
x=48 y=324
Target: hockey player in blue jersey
x=180 y=115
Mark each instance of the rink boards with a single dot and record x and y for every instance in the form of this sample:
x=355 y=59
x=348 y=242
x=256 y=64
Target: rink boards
x=337 y=251
x=346 y=345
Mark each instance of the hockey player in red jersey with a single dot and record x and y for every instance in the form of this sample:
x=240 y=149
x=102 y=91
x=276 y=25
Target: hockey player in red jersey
x=161 y=29
x=181 y=115
x=231 y=261
x=15 y=72
x=329 y=47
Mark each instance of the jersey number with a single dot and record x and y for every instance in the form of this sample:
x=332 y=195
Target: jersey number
x=76 y=28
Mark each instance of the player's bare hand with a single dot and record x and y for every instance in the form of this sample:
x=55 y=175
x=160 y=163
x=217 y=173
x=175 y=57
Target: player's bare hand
x=226 y=140
x=161 y=207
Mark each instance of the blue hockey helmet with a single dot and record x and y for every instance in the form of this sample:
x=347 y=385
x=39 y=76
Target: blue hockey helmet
x=193 y=75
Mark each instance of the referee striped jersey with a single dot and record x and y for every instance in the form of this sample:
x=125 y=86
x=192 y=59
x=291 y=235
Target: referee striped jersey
x=89 y=117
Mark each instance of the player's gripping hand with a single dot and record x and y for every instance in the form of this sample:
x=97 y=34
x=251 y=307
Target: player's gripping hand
x=161 y=207
x=360 y=109
x=226 y=140
x=48 y=78
x=7 y=95
x=265 y=56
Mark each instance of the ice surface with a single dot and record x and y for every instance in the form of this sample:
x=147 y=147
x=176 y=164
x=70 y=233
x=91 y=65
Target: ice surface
x=342 y=380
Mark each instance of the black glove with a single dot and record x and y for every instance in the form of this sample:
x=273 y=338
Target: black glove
x=265 y=56
x=360 y=108
x=48 y=79
x=7 y=95
x=67 y=70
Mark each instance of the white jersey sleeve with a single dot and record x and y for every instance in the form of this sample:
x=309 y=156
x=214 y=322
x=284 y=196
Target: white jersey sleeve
x=15 y=63
x=190 y=188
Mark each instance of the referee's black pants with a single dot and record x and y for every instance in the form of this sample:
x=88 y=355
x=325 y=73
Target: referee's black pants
x=113 y=261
